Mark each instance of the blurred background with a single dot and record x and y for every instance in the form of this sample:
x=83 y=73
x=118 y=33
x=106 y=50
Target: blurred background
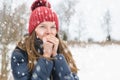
x=91 y=28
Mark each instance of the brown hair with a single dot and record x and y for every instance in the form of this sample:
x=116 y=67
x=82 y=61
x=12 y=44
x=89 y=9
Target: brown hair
x=33 y=55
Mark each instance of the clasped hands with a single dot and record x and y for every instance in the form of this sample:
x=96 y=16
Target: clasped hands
x=50 y=46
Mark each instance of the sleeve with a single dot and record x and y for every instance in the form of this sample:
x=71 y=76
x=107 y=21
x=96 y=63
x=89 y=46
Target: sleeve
x=19 y=66
x=61 y=70
x=42 y=70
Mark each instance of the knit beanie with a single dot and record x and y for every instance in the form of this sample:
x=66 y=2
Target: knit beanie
x=41 y=11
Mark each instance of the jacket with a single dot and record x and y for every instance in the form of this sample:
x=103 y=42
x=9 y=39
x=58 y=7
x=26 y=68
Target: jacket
x=43 y=68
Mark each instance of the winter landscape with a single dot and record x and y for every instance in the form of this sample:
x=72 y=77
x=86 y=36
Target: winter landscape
x=92 y=23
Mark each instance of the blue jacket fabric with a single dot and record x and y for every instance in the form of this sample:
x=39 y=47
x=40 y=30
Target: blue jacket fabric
x=44 y=69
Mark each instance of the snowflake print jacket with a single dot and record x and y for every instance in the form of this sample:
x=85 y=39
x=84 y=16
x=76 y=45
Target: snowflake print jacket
x=43 y=69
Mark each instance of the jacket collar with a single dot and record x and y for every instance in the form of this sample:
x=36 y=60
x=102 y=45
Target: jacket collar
x=39 y=45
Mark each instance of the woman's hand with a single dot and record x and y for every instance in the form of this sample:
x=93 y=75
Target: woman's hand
x=53 y=43
x=47 y=46
x=52 y=39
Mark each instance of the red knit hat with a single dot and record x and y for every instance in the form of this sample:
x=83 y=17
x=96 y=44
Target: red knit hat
x=41 y=12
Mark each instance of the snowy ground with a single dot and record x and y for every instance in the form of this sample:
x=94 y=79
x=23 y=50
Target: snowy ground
x=97 y=62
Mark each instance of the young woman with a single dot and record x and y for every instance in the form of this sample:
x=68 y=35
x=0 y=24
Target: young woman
x=43 y=55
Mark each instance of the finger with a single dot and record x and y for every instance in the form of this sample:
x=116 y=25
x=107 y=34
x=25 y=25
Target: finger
x=53 y=40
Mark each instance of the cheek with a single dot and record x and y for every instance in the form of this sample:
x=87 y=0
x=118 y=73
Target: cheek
x=54 y=33
x=40 y=33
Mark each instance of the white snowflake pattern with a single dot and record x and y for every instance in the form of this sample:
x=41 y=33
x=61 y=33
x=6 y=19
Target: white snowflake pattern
x=18 y=64
x=38 y=68
x=46 y=62
x=67 y=77
x=59 y=74
x=76 y=77
x=22 y=60
x=14 y=57
x=61 y=68
x=60 y=58
x=34 y=75
x=23 y=74
x=18 y=72
x=53 y=68
x=48 y=78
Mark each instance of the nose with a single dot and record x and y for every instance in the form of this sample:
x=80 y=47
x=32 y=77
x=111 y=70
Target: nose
x=48 y=31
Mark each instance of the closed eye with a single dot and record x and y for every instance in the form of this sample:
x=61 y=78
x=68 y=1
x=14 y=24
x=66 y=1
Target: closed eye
x=42 y=26
x=53 y=27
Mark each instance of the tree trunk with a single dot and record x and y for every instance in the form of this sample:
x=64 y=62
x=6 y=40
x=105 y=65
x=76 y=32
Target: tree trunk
x=4 y=71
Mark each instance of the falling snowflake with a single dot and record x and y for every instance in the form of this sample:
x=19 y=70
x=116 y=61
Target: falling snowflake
x=46 y=17
x=50 y=15
x=30 y=61
x=4 y=75
x=40 y=1
x=38 y=22
x=38 y=50
x=35 y=62
x=46 y=11
x=66 y=50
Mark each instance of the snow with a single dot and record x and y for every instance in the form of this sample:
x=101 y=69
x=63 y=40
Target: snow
x=97 y=62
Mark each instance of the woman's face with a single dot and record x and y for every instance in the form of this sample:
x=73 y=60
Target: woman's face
x=46 y=28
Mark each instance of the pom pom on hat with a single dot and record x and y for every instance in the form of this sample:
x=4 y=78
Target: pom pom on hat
x=41 y=12
x=39 y=3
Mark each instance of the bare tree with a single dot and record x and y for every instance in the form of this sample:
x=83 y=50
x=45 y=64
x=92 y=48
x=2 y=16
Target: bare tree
x=66 y=10
x=12 y=25
x=106 y=24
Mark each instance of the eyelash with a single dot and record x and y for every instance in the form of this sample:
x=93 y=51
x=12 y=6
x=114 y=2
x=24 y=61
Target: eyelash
x=53 y=27
x=44 y=27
